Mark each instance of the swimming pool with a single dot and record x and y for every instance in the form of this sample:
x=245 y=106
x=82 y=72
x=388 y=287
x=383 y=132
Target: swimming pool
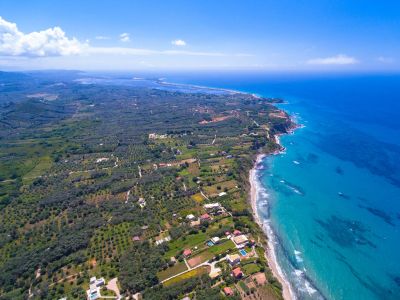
x=243 y=252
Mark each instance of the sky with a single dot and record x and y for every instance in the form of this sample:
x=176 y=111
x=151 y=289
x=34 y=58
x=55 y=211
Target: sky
x=297 y=35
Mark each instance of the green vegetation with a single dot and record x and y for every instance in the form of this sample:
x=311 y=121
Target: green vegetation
x=99 y=183
x=176 y=269
x=190 y=274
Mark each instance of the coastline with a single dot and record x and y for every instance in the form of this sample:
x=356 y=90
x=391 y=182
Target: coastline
x=287 y=291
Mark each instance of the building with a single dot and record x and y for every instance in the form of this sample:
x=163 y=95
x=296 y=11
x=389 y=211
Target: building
x=205 y=217
x=233 y=259
x=228 y=291
x=187 y=252
x=240 y=240
x=195 y=223
x=215 y=240
x=222 y=194
x=190 y=217
x=212 y=206
x=237 y=232
x=100 y=282
x=93 y=292
x=237 y=273
x=142 y=202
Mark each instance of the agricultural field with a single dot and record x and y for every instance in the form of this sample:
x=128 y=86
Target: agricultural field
x=100 y=180
x=187 y=275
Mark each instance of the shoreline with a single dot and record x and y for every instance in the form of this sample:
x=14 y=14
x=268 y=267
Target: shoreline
x=287 y=291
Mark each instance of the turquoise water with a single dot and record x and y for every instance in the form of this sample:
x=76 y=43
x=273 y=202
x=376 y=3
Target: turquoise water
x=333 y=198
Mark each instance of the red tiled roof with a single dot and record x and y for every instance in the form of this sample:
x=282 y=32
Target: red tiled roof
x=205 y=216
x=187 y=252
x=236 y=232
x=228 y=291
x=237 y=272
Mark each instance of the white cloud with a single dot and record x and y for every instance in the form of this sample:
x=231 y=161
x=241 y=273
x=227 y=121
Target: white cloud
x=340 y=59
x=178 y=43
x=16 y=45
x=385 y=60
x=49 y=42
x=124 y=37
x=140 y=52
x=102 y=37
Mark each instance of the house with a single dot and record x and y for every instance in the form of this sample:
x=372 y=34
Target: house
x=237 y=232
x=240 y=240
x=233 y=259
x=195 y=223
x=190 y=217
x=93 y=292
x=212 y=206
x=187 y=252
x=136 y=238
x=215 y=240
x=237 y=273
x=163 y=240
x=142 y=202
x=228 y=291
x=205 y=217
x=222 y=194
x=100 y=282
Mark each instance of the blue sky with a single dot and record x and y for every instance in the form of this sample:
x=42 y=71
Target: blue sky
x=207 y=34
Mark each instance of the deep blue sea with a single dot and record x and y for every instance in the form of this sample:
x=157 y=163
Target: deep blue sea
x=333 y=198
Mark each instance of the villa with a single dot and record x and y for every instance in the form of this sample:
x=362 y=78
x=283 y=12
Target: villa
x=187 y=252
x=233 y=259
x=93 y=292
x=205 y=217
x=237 y=232
x=214 y=208
x=142 y=202
x=190 y=217
x=240 y=240
x=195 y=223
x=228 y=291
x=237 y=273
x=215 y=240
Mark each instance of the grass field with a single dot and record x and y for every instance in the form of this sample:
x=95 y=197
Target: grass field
x=176 y=269
x=210 y=253
x=250 y=269
x=197 y=197
x=189 y=242
x=188 y=275
x=43 y=164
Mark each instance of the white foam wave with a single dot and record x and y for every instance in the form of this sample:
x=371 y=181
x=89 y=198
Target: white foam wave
x=297 y=254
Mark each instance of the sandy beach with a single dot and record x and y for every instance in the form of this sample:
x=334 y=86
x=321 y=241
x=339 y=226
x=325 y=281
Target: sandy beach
x=270 y=252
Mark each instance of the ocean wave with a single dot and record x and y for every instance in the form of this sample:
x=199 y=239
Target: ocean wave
x=297 y=254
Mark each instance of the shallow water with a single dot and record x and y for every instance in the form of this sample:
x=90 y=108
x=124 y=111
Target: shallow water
x=333 y=197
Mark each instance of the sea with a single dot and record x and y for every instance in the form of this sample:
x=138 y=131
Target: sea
x=332 y=198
